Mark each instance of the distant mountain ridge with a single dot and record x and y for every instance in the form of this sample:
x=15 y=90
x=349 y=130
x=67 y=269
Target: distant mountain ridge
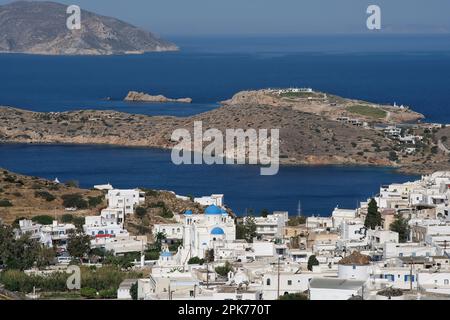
x=40 y=28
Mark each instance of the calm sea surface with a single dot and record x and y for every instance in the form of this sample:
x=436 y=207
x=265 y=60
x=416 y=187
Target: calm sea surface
x=410 y=70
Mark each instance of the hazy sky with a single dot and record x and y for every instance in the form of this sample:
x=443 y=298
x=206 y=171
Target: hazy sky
x=178 y=17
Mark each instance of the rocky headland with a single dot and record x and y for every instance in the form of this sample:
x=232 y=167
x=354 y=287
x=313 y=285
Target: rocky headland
x=134 y=96
x=312 y=131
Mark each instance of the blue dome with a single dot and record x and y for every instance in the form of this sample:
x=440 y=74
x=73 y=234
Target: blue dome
x=166 y=254
x=213 y=210
x=217 y=231
x=188 y=212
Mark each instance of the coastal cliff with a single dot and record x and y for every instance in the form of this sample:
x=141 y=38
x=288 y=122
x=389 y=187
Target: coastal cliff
x=37 y=27
x=307 y=136
x=134 y=96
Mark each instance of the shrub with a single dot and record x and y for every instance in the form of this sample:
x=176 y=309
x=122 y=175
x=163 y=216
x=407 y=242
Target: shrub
x=43 y=219
x=393 y=156
x=9 y=179
x=108 y=294
x=67 y=218
x=74 y=201
x=44 y=195
x=89 y=293
x=196 y=260
x=223 y=270
x=72 y=184
x=95 y=201
x=5 y=203
x=152 y=255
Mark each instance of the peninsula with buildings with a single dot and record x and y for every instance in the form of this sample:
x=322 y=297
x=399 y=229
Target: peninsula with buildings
x=391 y=247
x=315 y=129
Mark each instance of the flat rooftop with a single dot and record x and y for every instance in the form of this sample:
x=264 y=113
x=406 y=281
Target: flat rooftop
x=335 y=283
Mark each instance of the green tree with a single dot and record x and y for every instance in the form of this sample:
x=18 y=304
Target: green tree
x=224 y=270
x=67 y=218
x=45 y=256
x=95 y=201
x=312 y=261
x=246 y=229
x=134 y=291
x=160 y=237
x=400 y=225
x=373 y=218
x=78 y=223
x=264 y=213
x=79 y=246
x=141 y=212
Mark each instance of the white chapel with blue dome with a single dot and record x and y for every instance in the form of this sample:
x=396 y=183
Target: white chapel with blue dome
x=202 y=232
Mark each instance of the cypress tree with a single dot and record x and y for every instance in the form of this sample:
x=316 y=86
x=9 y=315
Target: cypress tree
x=373 y=218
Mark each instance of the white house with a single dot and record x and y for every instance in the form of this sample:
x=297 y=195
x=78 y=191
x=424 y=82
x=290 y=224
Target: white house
x=126 y=199
x=289 y=282
x=272 y=226
x=334 y=289
x=394 y=250
x=123 y=292
x=59 y=233
x=377 y=238
x=340 y=215
x=173 y=231
x=214 y=199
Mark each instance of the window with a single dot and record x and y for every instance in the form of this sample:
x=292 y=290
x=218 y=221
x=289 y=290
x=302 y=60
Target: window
x=268 y=281
x=446 y=282
x=289 y=282
x=354 y=267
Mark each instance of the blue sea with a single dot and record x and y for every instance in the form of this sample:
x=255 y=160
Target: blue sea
x=409 y=70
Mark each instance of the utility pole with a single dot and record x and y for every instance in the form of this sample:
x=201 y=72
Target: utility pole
x=410 y=275
x=278 y=285
x=207 y=274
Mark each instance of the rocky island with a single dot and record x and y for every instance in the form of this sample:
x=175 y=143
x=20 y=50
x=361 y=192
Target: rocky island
x=315 y=129
x=134 y=96
x=40 y=28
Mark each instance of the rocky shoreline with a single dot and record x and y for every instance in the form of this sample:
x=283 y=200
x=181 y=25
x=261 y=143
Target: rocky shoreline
x=134 y=96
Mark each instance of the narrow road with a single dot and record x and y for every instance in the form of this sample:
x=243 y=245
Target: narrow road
x=443 y=147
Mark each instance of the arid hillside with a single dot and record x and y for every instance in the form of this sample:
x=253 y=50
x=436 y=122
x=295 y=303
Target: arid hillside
x=307 y=136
